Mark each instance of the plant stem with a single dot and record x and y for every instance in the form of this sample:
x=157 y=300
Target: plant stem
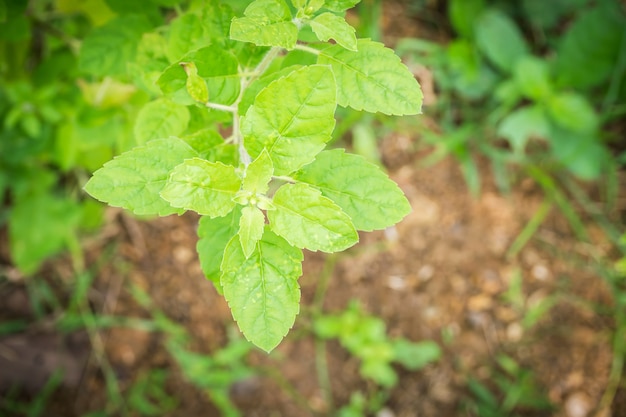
x=223 y=107
x=244 y=157
x=307 y=49
x=530 y=229
x=321 y=364
x=263 y=65
x=284 y=178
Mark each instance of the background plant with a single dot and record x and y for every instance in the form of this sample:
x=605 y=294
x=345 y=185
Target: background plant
x=496 y=85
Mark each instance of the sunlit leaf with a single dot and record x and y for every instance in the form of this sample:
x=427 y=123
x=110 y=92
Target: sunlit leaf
x=307 y=219
x=134 y=179
x=373 y=79
x=360 y=188
x=292 y=118
x=202 y=186
x=262 y=290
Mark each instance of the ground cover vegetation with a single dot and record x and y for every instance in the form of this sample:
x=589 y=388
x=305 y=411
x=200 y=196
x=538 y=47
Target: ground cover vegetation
x=240 y=111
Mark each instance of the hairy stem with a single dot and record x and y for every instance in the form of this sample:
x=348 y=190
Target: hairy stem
x=307 y=49
x=222 y=107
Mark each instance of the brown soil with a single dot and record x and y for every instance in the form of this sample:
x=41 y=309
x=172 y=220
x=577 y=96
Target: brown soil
x=441 y=274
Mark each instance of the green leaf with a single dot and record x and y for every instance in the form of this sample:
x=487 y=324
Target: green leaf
x=361 y=189
x=266 y=23
x=107 y=49
x=195 y=85
x=134 y=179
x=524 y=124
x=340 y=5
x=211 y=146
x=202 y=186
x=149 y=62
x=262 y=290
x=3 y=11
x=330 y=26
x=214 y=235
x=500 y=40
x=159 y=119
x=251 y=225
x=582 y=154
x=40 y=225
x=259 y=84
x=572 y=111
x=217 y=67
x=373 y=79
x=589 y=51
x=258 y=174
x=185 y=34
x=292 y=118
x=414 y=356
x=533 y=78
x=463 y=15
x=309 y=220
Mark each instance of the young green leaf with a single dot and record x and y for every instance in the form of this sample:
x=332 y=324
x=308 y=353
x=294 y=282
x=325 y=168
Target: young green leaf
x=159 y=119
x=251 y=225
x=373 y=79
x=309 y=220
x=217 y=67
x=330 y=26
x=202 y=186
x=262 y=290
x=258 y=174
x=214 y=235
x=196 y=86
x=266 y=23
x=293 y=118
x=360 y=188
x=134 y=179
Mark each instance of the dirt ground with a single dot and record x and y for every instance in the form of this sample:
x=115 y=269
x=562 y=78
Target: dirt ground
x=441 y=274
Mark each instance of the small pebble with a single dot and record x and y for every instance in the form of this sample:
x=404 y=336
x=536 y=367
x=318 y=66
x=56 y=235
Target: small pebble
x=577 y=405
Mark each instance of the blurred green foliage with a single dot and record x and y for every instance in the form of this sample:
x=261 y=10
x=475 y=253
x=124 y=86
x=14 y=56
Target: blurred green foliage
x=545 y=78
x=365 y=337
x=512 y=391
x=59 y=123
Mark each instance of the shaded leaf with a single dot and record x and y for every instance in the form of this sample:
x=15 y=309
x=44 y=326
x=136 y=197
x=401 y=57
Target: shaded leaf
x=214 y=235
x=500 y=39
x=159 y=119
x=217 y=67
x=107 y=49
